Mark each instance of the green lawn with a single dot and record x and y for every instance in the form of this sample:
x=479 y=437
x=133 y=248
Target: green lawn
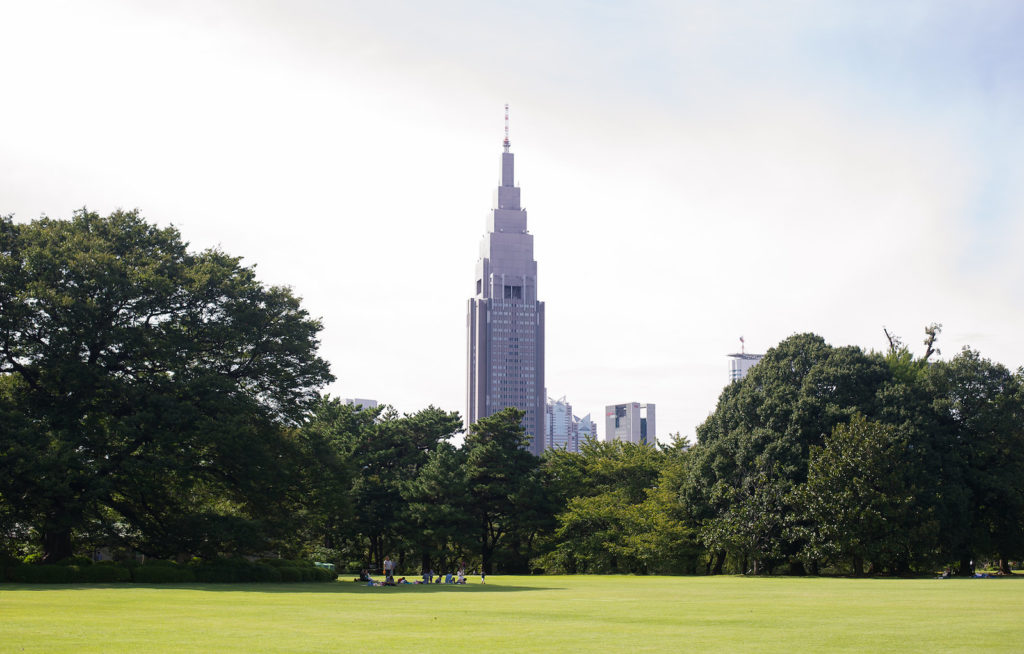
x=524 y=614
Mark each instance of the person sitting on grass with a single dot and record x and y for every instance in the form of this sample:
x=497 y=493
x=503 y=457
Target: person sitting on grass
x=448 y=579
x=461 y=579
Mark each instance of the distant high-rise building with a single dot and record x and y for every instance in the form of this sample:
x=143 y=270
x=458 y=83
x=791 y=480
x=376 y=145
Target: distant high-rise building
x=360 y=402
x=585 y=428
x=561 y=428
x=632 y=422
x=566 y=431
x=741 y=363
x=505 y=319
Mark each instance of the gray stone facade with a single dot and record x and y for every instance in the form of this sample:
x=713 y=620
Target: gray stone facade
x=505 y=320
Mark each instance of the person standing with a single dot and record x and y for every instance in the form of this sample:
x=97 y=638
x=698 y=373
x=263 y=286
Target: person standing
x=389 y=569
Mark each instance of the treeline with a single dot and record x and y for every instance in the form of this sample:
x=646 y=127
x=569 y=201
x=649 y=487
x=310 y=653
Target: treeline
x=161 y=402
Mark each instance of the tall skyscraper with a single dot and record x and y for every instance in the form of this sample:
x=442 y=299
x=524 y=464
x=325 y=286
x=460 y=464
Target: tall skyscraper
x=505 y=320
x=632 y=422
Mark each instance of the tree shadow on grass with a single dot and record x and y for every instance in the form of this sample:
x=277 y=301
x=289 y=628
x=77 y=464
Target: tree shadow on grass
x=347 y=587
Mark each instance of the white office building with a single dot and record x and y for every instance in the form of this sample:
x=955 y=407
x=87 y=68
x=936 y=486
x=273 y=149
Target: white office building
x=740 y=364
x=632 y=422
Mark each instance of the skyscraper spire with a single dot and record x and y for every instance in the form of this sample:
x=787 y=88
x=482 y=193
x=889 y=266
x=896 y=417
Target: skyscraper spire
x=506 y=144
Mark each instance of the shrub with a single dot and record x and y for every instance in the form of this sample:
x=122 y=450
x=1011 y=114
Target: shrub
x=43 y=574
x=290 y=574
x=161 y=563
x=33 y=559
x=229 y=571
x=77 y=559
x=103 y=573
x=163 y=572
x=278 y=563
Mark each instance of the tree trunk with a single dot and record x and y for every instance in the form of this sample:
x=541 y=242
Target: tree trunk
x=966 y=568
x=1004 y=566
x=858 y=566
x=814 y=568
x=486 y=549
x=485 y=555
x=716 y=569
x=377 y=554
x=425 y=560
x=56 y=545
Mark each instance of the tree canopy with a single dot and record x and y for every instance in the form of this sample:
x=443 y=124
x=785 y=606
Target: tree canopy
x=153 y=381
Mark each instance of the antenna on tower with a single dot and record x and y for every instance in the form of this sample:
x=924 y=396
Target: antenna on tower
x=506 y=143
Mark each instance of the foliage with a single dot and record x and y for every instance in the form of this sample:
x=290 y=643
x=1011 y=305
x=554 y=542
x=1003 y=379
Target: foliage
x=162 y=572
x=502 y=486
x=862 y=496
x=103 y=573
x=151 y=382
x=980 y=406
x=751 y=459
x=42 y=574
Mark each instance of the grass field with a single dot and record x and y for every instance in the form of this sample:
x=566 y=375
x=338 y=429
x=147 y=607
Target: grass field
x=524 y=614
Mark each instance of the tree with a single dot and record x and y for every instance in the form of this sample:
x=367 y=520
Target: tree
x=620 y=509
x=981 y=406
x=386 y=457
x=328 y=470
x=499 y=473
x=751 y=456
x=155 y=379
x=863 y=497
x=438 y=509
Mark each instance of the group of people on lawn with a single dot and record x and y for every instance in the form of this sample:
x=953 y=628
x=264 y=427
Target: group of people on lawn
x=428 y=576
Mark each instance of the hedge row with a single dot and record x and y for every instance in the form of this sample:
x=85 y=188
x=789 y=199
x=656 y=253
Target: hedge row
x=168 y=572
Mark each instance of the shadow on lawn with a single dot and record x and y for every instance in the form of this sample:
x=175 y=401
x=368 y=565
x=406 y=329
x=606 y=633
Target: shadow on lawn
x=348 y=587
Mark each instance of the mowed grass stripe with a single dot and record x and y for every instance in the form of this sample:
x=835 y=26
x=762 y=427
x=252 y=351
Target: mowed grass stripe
x=524 y=614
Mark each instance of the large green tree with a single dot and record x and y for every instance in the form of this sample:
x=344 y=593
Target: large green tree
x=864 y=498
x=751 y=457
x=501 y=482
x=980 y=405
x=155 y=381
x=388 y=456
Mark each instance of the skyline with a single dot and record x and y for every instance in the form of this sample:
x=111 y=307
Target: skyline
x=713 y=172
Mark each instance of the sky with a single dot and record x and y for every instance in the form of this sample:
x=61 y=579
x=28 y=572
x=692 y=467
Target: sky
x=693 y=172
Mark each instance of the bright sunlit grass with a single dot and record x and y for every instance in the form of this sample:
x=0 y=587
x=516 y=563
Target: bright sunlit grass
x=523 y=614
